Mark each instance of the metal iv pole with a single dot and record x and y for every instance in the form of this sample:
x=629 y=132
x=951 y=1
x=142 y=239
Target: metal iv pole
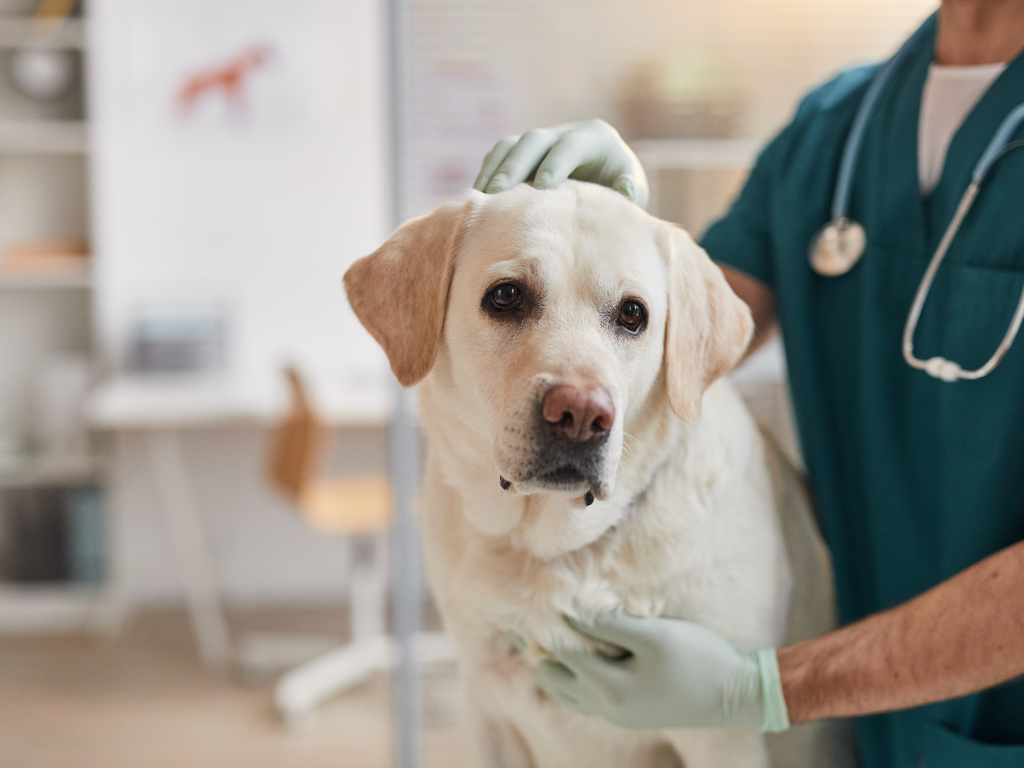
x=406 y=588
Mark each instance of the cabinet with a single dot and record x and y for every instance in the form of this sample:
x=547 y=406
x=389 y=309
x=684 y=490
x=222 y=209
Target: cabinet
x=50 y=502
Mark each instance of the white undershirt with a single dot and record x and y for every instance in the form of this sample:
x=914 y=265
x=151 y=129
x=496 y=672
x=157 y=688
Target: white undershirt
x=950 y=94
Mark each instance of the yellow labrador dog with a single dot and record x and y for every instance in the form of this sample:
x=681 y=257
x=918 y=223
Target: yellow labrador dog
x=584 y=456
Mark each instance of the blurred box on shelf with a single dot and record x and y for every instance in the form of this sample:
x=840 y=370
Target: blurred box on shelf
x=11 y=454
x=86 y=534
x=61 y=384
x=179 y=338
x=52 y=534
x=689 y=95
x=34 y=535
x=45 y=257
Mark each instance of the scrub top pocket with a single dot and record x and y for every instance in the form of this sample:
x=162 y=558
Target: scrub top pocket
x=980 y=305
x=943 y=748
x=983 y=445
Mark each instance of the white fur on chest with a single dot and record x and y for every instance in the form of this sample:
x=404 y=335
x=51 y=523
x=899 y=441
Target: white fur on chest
x=697 y=537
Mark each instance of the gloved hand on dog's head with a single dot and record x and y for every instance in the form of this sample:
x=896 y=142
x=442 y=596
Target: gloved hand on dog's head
x=586 y=151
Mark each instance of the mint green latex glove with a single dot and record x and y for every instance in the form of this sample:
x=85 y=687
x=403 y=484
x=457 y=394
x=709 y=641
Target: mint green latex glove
x=671 y=674
x=587 y=151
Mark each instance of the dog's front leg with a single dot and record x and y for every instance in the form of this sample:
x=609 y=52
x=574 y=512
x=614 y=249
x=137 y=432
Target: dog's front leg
x=719 y=748
x=498 y=744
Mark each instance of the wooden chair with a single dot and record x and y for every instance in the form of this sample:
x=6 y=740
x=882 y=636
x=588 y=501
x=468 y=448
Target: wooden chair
x=359 y=506
x=351 y=504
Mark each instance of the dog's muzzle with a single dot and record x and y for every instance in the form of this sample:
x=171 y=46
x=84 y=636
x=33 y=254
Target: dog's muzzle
x=572 y=426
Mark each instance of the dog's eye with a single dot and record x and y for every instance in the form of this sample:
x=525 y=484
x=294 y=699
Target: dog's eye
x=632 y=315
x=506 y=296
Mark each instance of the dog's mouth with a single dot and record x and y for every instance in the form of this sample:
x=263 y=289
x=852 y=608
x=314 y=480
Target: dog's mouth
x=563 y=478
x=560 y=466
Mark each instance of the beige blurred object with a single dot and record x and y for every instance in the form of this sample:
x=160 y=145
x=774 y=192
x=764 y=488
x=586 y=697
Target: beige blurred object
x=691 y=95
x=45 y=257
x=695 y=197
x=359 y=506
x=55 y=9
x=355 y=504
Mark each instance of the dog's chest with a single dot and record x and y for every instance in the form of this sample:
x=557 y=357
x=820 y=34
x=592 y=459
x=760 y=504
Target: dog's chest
x=694 y=545
x=702 y=541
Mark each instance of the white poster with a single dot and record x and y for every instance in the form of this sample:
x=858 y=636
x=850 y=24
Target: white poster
x=461 y=110
x=230 y=69
x=239 y=158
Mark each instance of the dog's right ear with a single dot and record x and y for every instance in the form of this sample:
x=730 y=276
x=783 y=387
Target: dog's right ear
x=400 y=291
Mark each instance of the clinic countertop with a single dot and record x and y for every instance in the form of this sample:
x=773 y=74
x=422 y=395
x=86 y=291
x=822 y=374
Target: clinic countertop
x=152 y=401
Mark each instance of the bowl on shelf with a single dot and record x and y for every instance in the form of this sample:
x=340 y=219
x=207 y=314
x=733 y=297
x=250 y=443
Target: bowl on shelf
x=43 y=74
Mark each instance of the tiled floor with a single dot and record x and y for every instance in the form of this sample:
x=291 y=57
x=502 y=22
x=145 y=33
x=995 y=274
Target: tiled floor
x=145 y=702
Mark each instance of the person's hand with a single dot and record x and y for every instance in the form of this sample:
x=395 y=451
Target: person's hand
x=670 y=674
x=587 y=151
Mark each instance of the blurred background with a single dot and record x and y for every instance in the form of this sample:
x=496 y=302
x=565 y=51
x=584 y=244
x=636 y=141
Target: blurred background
x=195 y=545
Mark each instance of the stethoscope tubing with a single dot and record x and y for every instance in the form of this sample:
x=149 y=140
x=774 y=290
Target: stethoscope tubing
x=851 y=150
x=940 y=367
x=1000 y=144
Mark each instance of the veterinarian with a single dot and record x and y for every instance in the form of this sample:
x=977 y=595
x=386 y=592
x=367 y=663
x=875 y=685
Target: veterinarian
x=918 y=470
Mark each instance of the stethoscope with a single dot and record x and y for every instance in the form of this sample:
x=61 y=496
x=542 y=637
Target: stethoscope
x=839 y=245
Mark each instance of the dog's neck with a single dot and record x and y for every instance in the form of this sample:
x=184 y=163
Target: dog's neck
x=545 y=524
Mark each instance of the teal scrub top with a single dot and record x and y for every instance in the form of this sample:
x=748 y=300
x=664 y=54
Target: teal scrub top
x=915 y=478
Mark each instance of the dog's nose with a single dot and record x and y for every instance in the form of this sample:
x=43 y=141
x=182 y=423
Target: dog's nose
x=578 y=414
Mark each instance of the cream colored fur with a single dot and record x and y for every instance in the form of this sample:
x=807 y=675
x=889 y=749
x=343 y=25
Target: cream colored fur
x=685 y=523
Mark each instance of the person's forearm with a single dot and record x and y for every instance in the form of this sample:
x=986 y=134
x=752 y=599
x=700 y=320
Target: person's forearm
x=962 y=636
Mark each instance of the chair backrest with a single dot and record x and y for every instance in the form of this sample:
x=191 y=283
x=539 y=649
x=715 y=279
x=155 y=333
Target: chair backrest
x=297 y=447
x=351 y=504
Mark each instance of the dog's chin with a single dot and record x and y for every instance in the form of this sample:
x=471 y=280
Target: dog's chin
x=557 y=522
x=564 y=480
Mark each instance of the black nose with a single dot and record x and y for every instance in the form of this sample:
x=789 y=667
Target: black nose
x=578 y=414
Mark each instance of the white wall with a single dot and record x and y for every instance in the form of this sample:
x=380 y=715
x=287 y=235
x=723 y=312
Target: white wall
x=259 y=210
x=532 y=63
x=264 y=553
x=523 y=64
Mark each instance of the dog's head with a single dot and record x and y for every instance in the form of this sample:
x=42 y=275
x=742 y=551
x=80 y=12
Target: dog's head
x=550 y=320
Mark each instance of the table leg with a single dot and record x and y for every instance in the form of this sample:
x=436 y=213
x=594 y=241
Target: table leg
x=116 y=604
x=191 y=547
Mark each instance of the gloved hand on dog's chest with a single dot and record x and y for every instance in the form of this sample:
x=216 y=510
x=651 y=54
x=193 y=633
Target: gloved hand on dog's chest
x=586 y=151
x=672 y=674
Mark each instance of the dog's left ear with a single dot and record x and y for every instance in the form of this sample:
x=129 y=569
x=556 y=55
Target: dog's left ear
x=708 y=327
x=400 y=291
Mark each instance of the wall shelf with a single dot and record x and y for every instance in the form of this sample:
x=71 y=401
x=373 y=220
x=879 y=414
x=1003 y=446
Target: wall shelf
x=44 y=136
x=47 y=607
x=46 y=282
x=52 y=471
x=43 y=314
x=695 y=154
x=29 y=32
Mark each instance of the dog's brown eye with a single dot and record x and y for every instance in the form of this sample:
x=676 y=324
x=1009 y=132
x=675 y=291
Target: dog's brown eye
x=506 y=296
x=632 y=315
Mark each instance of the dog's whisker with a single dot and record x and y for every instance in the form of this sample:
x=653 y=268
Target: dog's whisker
x=627 y=449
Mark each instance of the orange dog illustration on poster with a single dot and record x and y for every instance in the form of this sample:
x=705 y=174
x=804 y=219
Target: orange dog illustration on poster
x=228 y=81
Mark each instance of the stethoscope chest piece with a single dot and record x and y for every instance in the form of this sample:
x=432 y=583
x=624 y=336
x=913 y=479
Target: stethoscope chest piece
x=837 y=247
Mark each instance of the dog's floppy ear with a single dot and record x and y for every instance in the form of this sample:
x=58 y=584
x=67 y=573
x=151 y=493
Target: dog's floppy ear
x=400 y=291
x=708 y=326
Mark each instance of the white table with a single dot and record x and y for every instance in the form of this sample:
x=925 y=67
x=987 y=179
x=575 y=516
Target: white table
x=161 y=407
